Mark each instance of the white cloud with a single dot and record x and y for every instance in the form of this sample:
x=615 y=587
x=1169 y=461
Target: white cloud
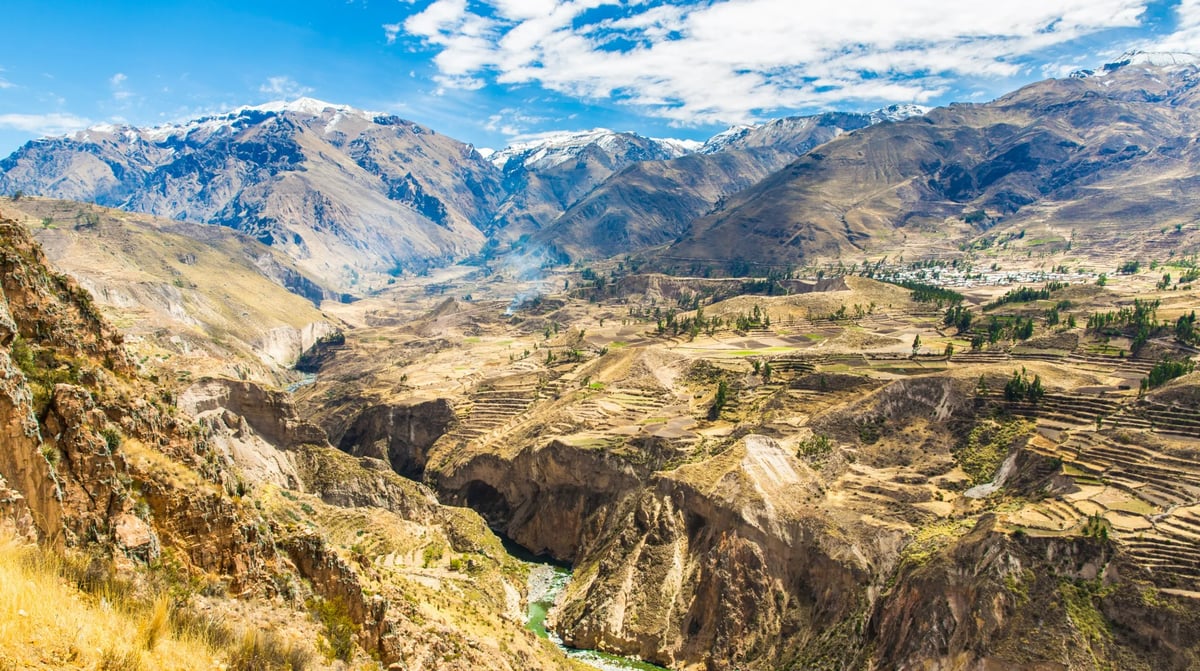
x=729 y=60
x=54 y=123
x=4 y=83
x=1186 y=36
x=513 y=122
x=117 y=84
x=284 y=87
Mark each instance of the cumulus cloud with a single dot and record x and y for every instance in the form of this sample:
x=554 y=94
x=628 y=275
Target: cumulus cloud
x=54 y=123
x=284 y=87
x=730 y=60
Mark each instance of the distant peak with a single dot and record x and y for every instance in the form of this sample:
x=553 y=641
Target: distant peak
x=1163 y=59
x=898 y=112
x=548 y=149
x=303 y=105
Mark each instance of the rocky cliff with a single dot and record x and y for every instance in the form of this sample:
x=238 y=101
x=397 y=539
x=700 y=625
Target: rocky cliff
x=231 y=491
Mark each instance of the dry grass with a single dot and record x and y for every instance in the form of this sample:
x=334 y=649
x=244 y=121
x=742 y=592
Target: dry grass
x=68 y=613
x=47 y=622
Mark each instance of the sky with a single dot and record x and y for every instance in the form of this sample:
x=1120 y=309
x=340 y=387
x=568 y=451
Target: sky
x=492 y=72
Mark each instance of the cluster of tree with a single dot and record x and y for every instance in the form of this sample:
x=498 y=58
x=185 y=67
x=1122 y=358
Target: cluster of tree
x=772 y=284
x=931 y=293
x=1129 y=268
x=1185 y=329
x=1137 y=321
x=1003 y=328
x=1025 y=295
x=692 y=326
x=762 y=368
x=1020 y=388
x=959 y=317
x=815 y=448
x=758 y=318
x=1166 y=370
x=841 y=313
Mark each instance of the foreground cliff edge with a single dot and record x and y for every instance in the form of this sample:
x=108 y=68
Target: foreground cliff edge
x=221 y=538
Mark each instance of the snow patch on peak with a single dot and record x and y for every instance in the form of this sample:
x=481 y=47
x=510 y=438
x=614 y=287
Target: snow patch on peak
x=681 y=146
x=1169 y=60
x=546 y=150
x=307 y=106
x=897 y=113
x=725 y=138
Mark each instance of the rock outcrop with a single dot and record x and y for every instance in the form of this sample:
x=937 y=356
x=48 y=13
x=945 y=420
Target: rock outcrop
x=232 y=490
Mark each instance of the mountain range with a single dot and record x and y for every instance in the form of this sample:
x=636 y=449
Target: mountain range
x=353 y=197
x=1074 y=154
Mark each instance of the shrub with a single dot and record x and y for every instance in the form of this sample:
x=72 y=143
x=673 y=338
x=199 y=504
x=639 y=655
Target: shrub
x=339 y=628
x=265 y=651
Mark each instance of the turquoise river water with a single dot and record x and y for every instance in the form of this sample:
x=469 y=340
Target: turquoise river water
x=546 y=585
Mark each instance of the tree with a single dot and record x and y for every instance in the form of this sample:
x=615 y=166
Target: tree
x=949 y=351
x=719 y=400
x=916 y=346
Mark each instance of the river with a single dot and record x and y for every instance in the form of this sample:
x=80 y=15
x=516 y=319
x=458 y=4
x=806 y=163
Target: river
x=546 y=585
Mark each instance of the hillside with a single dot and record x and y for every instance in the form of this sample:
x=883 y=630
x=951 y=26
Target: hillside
x=1069 y=153
x=210 y=519
x=190 y=299
x=651 y=203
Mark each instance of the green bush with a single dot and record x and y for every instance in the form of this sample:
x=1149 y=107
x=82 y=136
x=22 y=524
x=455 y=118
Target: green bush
x=339 y=628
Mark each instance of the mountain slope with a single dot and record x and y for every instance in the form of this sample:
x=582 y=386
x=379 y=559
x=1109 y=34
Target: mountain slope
x=192 y=297
x=222 y=511
x=342 y=191
x=652 y=202
x=1050 y=144
x=547 y=176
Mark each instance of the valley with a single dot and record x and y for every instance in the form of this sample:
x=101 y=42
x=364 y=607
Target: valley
x=910 y=389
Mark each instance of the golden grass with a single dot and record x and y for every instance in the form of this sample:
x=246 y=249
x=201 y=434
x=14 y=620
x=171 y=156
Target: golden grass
x=71 y=613
x=48 y=623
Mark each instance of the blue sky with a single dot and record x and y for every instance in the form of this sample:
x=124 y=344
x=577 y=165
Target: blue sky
x=490 y=71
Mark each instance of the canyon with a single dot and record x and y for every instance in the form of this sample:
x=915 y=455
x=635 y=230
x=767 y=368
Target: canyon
x=955 y=426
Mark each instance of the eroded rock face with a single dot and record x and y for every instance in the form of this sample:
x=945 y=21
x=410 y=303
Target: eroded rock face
x=721 y=565
x=548 y=499
x=400 y=433
x=82 y=434
x=998 y=601
x=717 y=564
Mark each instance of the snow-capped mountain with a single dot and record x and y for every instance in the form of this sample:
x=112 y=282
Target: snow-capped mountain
x=1166 y=60
x=897 y=113
x=549 y=173
x=551 y=149
x=730 y=137
x=339 y=189
x=346 y=191
x=793 y=132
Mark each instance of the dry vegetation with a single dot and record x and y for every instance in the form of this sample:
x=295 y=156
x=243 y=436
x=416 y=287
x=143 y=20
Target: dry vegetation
x=70 y=612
